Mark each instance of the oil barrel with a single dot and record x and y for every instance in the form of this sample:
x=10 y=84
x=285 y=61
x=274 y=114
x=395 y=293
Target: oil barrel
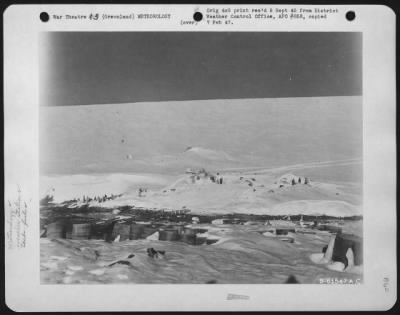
x=81 y=231
x=189 y=239
x=169 y=235
x=123 y=230
x=136 y=231
x=56 y=230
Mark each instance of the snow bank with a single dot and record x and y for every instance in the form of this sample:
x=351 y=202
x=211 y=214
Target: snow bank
x=67 y=187
x=316 y=207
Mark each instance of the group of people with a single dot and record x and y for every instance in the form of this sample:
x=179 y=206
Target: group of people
x=299 y=181
x=202 y=173
x=142 y=191
x=217 y=179
x=100 y=198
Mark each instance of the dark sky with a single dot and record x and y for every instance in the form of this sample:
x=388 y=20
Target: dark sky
x=122 y=67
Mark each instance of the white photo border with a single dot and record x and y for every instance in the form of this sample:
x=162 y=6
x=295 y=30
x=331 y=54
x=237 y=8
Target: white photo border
x=24 y=292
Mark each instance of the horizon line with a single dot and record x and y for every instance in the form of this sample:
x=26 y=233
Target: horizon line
x=198 y=100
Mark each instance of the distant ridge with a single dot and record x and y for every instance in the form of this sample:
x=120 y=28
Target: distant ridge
x=217 y=100
x=130 y=137
x=208 y=154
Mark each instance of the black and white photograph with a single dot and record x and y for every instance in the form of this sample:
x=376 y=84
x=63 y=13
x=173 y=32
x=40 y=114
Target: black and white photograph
x=206 y=158
x=200 y=158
